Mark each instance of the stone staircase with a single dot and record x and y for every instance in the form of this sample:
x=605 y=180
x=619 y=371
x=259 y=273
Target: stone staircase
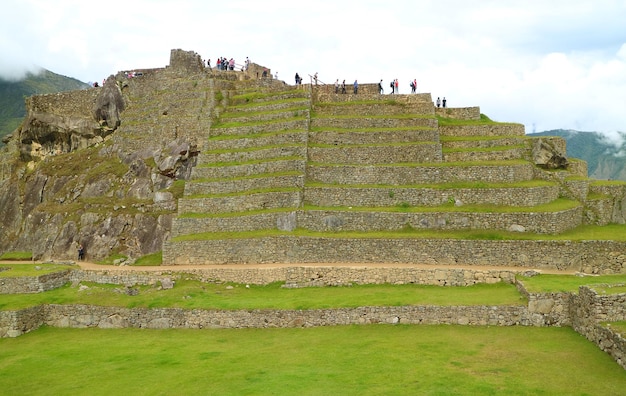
x=253 y=169
x=289 y=164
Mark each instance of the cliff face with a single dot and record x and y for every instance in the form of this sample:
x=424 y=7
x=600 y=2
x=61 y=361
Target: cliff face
x=96 y=167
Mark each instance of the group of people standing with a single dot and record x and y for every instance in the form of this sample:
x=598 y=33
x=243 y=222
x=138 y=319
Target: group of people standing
x=227 y=64
x=440 y=102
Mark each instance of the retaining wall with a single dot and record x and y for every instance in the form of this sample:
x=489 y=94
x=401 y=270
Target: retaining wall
x=33 y=284
x=606 y=257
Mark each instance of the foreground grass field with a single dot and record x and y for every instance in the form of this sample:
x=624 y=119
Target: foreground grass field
x=345 y=360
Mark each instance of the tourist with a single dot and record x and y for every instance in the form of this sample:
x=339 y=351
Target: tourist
x=444 y=102
x=414 y=85
x=208 y=63
x=380 y=87
x=356 y=87
x=81 y=252
x=397 y=86
x=343 y=87
x=337 y=86
x=391 y=84
x=297 y=79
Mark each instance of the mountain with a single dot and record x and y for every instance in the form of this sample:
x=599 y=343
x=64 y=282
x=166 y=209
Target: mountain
x=12 y=94
x=605 y=157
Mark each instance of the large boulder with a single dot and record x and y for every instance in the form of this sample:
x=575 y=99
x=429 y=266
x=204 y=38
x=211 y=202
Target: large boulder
x=109 y=105
x=547 y=155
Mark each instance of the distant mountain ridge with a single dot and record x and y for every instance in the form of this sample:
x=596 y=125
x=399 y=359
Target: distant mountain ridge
x=12 y=94
x=606 y=158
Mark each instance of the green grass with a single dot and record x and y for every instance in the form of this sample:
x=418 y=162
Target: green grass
x=19 y=270
x=150 y=259
x=193 y=294
x=619 y=327
x=17 y=256
x=340 y=360
x=549 y=283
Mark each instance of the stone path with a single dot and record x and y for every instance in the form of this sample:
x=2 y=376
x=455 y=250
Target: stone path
x=86 y=265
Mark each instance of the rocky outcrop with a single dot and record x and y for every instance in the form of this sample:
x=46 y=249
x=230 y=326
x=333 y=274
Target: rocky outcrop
x=547 y=155
x=109 y=105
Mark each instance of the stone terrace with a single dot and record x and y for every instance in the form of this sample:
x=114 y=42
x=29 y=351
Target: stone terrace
x=280 y=161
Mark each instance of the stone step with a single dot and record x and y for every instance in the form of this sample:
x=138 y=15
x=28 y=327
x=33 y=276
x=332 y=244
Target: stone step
x=376 y=221
x=272 y=105
x=376 y=108
x=243 y=98
x=483 y=143
x=368 y=221
x=287 y=198
x=377 y=154
x=369 y=122
x=486 y=155
x=400 y=174
x=258 y=154
x=282 y=114
x=482 y=130
x=262 y=127
x=256 y=221
x=260 y=140
x=324 y=248
x=241 y=170
x=250 y=183
x=367 y=137
x=385 y=196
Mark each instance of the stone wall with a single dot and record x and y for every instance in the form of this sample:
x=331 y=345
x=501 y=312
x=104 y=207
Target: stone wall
x=389 y=197
x=399 y=175
x=70 y=104
x=459 y=113
x=597 y=257
x=501 y=129
x=306 y=276
x=592 y=311
x=33 y=284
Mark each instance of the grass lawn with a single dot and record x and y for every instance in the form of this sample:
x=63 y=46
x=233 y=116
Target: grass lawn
x=190 y=294
x=548 y=283
x=18 y=270
x=342 y=360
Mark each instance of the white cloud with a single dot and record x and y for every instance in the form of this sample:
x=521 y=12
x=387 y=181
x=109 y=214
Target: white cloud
x=552 y=64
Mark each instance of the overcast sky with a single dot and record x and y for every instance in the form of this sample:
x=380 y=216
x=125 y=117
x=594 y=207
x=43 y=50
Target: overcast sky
x=546 y=64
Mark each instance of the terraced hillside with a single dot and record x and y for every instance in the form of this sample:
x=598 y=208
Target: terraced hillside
x=304 y=175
